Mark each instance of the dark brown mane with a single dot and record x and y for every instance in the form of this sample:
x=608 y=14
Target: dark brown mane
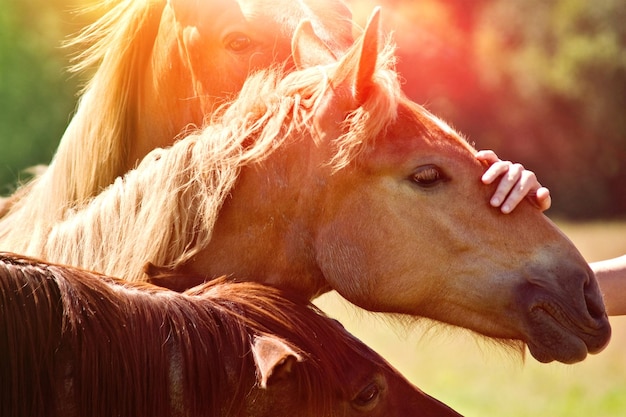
x=119 y=337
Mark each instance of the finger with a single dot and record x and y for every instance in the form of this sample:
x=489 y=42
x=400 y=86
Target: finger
x=543 y=198
x=507 y=183
x=525 y=186
x=488 y=156
x=495 y=171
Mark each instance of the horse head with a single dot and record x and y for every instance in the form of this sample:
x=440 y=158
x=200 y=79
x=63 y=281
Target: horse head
x=205 y=50
x=383 y=203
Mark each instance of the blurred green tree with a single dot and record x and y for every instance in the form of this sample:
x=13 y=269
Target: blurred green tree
x=37 y=94
x=560 y=68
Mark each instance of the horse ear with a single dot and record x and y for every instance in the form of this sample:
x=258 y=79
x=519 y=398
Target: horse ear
x=307 y=49
x=357 y=68
x=368 y=57
x=274 y=359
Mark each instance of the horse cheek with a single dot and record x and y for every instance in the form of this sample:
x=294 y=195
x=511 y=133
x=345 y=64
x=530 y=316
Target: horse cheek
x=352 y=246
x=341 y=264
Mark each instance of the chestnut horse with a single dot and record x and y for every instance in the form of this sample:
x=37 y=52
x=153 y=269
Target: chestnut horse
x=75 y=343
x=162 y=67
x=330 y=178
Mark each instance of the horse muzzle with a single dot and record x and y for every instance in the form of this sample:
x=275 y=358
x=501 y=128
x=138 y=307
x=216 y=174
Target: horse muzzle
x=566 y=325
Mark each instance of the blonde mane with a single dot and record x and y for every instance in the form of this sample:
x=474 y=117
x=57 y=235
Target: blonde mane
x=164 y=211
x=119 y=44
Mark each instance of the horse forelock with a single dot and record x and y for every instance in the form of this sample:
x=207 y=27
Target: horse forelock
x=308 y=88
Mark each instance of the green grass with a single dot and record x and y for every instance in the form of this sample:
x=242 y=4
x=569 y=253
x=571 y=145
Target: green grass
x=478 y=378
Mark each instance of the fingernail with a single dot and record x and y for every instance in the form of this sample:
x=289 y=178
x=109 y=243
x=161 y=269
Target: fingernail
x=506 y=208
x=495 y=202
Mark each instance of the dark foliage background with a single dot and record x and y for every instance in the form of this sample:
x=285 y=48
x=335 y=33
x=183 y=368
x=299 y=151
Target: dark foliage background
x=542 y=82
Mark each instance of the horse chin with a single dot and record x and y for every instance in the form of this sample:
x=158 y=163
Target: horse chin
x=556 y=336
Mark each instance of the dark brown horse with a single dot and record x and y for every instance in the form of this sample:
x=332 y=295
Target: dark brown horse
x=75 y=343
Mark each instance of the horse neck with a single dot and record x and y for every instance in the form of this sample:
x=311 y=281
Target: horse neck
x=159 y=207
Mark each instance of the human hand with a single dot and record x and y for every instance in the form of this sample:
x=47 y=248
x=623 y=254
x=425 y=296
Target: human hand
x=516 y=184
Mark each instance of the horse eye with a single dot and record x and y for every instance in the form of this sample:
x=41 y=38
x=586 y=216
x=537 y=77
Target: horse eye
x=428 y=176
x=237 y=41
x=367 y=396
